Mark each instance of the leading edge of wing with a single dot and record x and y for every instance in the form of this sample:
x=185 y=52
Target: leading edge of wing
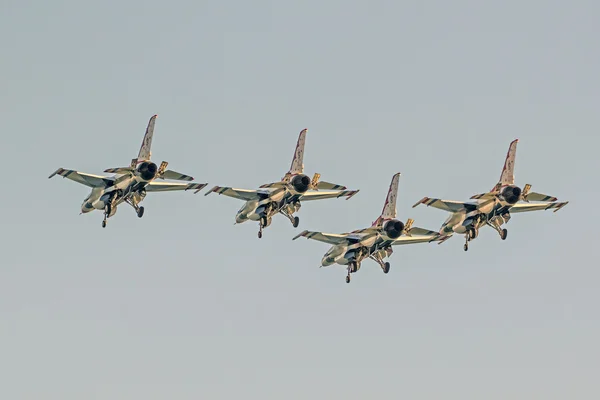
x=446 y=205
x=241 y=194
x=90 y=180
x=525 y=207
x=328 y=194
x=330 y=238
x=171 y=186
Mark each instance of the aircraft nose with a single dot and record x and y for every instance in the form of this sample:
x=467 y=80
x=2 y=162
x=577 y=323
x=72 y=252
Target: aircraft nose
x=326 y=261
x=239 y=218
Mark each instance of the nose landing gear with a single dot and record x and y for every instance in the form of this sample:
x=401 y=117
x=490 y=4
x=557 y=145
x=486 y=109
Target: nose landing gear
x=264 y=222
x=107 y=210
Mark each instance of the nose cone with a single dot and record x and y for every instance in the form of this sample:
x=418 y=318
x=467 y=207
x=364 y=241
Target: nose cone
x=239 y=218
x=87 y=207
x=326 y=261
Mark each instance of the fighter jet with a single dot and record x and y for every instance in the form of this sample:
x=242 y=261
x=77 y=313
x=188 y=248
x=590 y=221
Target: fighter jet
x=283 y=197
x=130 y=184
x=375 y=242
x=493 y=208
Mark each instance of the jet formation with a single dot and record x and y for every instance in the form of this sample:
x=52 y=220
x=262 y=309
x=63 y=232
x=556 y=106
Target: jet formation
x=131 y=184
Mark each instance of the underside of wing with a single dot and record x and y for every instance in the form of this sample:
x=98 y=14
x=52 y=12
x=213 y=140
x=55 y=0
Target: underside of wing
x=172 y=186
x=241 y=194
x=415 y=239
x=525 y=207
x=83 y=178
x=327 y=194
x=330 y=238
x=446 y=205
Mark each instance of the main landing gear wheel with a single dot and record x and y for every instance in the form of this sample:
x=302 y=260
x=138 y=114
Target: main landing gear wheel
x=295 y=222
x=260 y=234
x=503 y=234
x=104 y=224
x=466 y=247
x=347 y=278
x=140 y=212
x=386 y=267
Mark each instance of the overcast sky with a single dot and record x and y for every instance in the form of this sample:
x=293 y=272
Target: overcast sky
x=182 y=304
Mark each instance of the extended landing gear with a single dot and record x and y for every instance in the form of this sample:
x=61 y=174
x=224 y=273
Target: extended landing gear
x=496 y=222
x=471 y=234
x=294 y=220
x=386 y=267
x=353 y=266
x=140 y=212
x=107 y=211
x=261 y=224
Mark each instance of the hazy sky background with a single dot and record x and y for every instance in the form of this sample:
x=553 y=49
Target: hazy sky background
x=182 y=304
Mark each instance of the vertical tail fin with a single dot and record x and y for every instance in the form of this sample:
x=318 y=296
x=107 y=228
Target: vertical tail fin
x=145 y=151
x=297 y=166
x=508 y=172
x=389 y=207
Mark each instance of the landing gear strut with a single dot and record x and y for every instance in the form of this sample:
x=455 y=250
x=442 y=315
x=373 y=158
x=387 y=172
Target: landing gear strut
x=107 y=210
x=471 y=234
x=134 y=203
x=496 y=223
x=261 y=224
x=294 y=220
x=385 y=266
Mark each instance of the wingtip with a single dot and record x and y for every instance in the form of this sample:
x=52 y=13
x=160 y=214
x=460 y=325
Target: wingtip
x=55 y=172
x=304 y=232
x=354 y=192
x=203 y=185
x=211 y=190
x=420 y=201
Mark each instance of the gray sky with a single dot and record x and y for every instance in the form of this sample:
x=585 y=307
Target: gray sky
x=182 y=304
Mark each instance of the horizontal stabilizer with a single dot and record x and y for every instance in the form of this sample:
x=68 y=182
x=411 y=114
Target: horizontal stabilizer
x=421 y=231
x=484 y=196
x=533 y=196
x=170 y=174
x=273 y=185
x=330 y=186
x=120 y=170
